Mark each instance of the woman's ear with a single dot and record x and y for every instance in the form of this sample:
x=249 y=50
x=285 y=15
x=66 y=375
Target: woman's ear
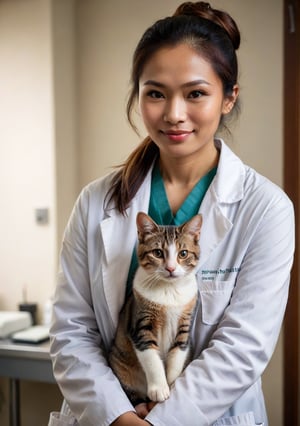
x=230 y=100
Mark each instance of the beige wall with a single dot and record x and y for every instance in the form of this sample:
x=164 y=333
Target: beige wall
x=28 y=251
x=65 y=122
x=64 y=68
x=27 y=168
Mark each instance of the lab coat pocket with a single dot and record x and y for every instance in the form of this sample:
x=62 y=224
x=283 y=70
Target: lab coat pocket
x=59 y=419
x=246 y=419
x=215 y=297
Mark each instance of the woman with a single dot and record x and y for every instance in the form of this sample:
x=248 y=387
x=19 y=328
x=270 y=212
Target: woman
x=184 y=78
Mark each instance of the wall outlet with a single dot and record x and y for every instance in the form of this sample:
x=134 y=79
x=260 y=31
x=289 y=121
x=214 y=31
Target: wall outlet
x=42 y=216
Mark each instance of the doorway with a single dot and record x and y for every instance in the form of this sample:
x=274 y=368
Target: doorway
x=292 y=187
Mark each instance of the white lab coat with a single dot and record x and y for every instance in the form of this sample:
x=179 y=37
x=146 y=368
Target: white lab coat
x=247 y=244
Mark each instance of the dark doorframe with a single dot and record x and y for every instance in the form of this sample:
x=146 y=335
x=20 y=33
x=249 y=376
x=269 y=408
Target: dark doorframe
x=291 y=96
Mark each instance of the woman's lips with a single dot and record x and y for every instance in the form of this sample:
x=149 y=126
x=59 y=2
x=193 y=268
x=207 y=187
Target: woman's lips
x=177 y=135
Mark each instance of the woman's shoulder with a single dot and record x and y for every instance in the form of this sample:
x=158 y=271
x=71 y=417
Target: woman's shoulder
x=98 y=188
x=92 y=199
x=254 y=191
x=260 y=187
x=251 y=182
x=102 y=183
x=236 y=181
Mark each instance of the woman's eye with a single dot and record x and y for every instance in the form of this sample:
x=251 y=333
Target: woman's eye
x=155 y=94
x=196 y=94
x=158 y=253
x=183 y=254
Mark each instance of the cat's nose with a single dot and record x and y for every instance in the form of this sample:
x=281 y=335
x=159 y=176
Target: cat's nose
x=170 y=268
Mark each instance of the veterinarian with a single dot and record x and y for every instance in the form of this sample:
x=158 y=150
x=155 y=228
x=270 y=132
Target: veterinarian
x=185 y=83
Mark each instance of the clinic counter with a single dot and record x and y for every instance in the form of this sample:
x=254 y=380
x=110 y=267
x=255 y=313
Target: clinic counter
x=20 y=361
x=26 y=361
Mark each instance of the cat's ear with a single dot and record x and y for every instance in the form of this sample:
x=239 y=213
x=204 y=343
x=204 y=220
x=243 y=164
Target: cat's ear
x=145 y=224
x=193 y=226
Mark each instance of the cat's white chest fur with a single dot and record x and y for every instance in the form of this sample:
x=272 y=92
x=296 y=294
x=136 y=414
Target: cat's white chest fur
x=170 y=292
x=173 y=294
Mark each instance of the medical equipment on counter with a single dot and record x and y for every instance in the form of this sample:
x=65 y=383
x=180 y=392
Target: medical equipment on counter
x=34 y=334
x=12 y=321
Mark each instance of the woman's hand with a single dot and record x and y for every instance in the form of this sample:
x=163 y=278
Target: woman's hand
x=129 y=419
x=144 y=408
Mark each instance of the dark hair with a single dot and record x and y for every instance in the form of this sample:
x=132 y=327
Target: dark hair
x=212 y=33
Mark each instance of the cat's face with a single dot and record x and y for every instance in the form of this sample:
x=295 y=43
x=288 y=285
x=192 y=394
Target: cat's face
x=168 y=251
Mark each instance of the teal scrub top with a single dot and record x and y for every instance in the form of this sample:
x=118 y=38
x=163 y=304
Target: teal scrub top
x=161 y=213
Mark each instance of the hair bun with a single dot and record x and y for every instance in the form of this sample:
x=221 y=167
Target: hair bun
x=204 y=10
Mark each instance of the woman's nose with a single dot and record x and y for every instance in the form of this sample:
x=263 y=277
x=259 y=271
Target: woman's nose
x=175 y=111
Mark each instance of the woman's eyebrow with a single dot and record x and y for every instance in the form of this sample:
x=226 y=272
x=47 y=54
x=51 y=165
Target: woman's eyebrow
x=188 y=84
x=154 y=83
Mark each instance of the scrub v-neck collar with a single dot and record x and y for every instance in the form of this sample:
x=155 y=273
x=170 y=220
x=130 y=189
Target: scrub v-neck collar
x=159 y=207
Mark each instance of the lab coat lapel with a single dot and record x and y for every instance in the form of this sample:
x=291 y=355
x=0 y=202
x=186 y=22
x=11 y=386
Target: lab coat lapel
x=225 y=191
x=119 y=236
x=214 y=229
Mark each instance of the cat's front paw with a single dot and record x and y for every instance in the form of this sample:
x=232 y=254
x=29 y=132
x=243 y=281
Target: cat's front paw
x=159 y=393
x=172 y=376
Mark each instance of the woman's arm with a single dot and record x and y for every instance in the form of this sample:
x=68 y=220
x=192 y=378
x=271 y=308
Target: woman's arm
x=80 y=366
x=243 y=342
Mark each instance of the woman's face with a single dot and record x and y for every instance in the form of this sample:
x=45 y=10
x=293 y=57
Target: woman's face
x=181 y=101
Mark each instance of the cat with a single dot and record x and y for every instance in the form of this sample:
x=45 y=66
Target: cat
x=152 y=343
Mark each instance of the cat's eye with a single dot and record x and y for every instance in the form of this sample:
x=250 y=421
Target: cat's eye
x=158 y=253
x=183 y=254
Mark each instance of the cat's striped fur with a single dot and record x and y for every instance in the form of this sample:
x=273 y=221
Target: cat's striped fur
x=152 y=343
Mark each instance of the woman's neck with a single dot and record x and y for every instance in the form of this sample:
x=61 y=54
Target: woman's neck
x=180 y=175
x=188 y=171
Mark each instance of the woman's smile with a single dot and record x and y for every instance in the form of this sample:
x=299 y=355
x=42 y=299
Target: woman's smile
x=177 y=135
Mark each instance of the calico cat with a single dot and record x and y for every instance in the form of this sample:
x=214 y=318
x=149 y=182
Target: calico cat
x=152 y=344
